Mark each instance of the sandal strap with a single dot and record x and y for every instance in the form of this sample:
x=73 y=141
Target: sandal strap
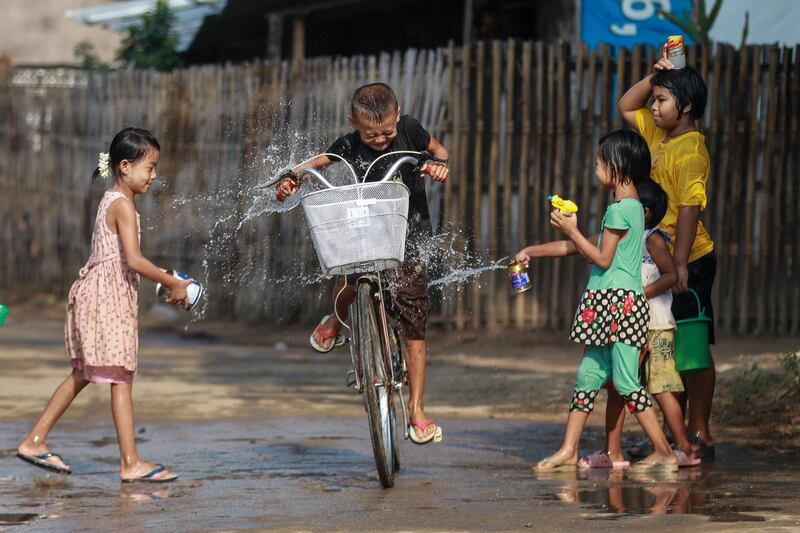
x=154 y=472
x=325 y=334
x=422 y=425
x=47 y=455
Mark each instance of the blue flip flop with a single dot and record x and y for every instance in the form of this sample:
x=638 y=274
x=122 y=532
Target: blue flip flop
x=148 y=477
x=41 y=462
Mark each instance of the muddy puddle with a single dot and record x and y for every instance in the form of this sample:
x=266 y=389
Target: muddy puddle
x=268 y=438
x=311 y=473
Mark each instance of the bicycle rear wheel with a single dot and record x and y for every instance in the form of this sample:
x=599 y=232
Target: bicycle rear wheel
x=378 y=397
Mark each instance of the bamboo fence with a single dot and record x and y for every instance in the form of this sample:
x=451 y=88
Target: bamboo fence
x=520 y=119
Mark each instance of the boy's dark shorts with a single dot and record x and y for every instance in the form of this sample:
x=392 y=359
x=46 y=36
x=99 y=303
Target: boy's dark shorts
x=408 y=284
x=701 y=278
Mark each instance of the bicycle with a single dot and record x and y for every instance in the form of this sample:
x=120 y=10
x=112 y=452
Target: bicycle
x=361 y=229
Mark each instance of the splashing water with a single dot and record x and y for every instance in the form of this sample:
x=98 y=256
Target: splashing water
x=256 y=265
x=464 y=274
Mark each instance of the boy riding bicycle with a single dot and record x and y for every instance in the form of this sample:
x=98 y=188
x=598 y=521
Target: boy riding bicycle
x=380 y=129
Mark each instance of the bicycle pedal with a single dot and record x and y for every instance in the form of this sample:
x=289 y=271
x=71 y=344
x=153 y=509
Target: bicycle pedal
x=350 y=379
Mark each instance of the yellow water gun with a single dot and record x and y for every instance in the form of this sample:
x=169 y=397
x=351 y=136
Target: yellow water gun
x=567 y=207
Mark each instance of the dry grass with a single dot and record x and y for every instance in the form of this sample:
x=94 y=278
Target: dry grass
x=761 y=406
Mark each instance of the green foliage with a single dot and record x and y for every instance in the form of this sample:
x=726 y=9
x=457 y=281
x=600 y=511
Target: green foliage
x=87 y=58
x=152 y=44
x=699 y=27
x=790 y=363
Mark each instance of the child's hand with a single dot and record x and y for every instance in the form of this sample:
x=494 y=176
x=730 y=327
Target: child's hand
x=437 y=171
x=522 y=258
x=682 y=284
x=566 y=224
x=663 y=63
x=286 y=187
x=178 y=294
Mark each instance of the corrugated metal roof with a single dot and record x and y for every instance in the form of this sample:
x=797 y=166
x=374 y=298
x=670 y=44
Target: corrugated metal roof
x=189 y=15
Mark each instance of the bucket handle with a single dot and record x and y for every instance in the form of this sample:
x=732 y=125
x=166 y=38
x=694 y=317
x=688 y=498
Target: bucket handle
x=701 y=311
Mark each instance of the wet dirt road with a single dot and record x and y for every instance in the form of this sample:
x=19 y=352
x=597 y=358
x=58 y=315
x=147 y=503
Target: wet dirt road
x=267 y=437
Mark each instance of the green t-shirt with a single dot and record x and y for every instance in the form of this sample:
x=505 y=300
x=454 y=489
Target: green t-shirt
x=625 y=270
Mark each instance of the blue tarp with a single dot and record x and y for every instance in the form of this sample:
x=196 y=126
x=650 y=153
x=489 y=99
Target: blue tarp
x=627 y=23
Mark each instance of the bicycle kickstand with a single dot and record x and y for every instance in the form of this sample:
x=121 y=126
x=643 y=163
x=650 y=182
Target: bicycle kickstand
x=405 y=412
x=350 y=380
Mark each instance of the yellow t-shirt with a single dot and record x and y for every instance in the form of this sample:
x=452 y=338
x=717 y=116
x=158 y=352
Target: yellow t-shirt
x=681 y=167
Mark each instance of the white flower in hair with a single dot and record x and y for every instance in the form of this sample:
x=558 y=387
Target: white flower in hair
x=102 y=165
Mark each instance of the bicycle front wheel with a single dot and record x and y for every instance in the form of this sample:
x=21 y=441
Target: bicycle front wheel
x=377 y=383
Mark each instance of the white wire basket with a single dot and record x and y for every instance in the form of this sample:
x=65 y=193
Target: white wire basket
x=358 y=228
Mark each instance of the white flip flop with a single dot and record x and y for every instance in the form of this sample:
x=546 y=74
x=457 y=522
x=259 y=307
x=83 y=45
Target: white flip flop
x=338 y=341
x=437 y=435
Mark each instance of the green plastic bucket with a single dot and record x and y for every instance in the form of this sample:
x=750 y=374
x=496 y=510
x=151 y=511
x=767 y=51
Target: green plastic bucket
x=691 y=341
x=3 y=314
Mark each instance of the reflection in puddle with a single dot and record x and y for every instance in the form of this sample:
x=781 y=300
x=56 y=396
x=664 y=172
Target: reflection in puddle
x=144 y=496
x=51 y=482
x=16 y=519
x=617 y=494
x=139 y=493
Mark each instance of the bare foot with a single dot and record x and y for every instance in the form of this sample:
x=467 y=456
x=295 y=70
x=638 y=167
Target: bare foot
x=561 y=458
x=141 y=469
x=690 y=450
x=616 y=456
x=661 y=459
x=27 y=448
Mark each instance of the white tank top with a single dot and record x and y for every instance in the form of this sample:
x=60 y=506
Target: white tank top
x=661 y=305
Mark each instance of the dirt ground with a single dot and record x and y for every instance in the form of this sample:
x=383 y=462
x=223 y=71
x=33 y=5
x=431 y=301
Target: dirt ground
x=215 y=397
x=231 y=369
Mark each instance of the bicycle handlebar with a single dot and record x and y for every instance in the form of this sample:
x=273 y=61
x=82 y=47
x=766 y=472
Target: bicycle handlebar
x=407 y=159
x=315 y=174
x=396 y=165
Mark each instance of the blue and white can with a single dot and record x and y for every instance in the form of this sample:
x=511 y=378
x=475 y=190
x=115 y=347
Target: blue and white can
x=520 y=282
x=194 y=290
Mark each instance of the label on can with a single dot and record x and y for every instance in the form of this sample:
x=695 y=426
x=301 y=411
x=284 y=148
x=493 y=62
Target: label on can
x=520 y=280
x=194 y=291
x=676 y=50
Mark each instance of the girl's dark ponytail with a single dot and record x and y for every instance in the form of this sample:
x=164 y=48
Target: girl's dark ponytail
x=95 y=174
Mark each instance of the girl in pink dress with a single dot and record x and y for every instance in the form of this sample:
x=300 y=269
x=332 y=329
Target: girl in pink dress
x=101 y=330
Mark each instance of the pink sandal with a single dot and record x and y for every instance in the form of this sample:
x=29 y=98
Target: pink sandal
x=325 y=334
x=600 y=459
x=436 y=436
x=684 y=461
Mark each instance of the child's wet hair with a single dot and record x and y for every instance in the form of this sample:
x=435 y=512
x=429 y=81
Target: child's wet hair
x=130 y=144
x=374 y=102
x=654 y=198
x=626 y=156
x=686 y=85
